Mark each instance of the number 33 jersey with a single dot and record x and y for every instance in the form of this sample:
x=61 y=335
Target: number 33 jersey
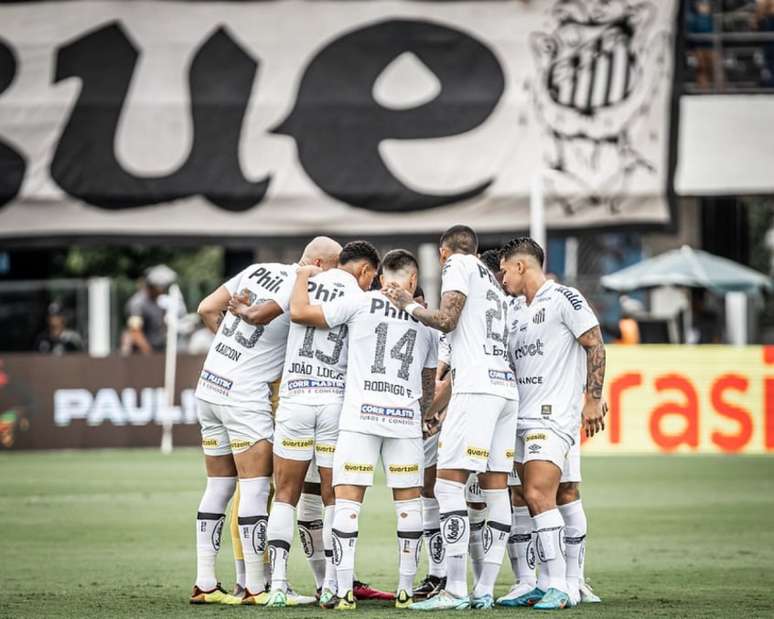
x=316 y=359
x=479 y=343
x=388 y=349
x=243 y=359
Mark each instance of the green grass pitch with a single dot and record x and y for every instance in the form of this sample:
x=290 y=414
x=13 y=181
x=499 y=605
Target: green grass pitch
x=110 y=534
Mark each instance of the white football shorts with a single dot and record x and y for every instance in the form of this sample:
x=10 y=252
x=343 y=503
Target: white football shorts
x=479 y=433
x=431 y=450
x=230 y=429
x=545 y=444
x=357 y=454
x=304 y=431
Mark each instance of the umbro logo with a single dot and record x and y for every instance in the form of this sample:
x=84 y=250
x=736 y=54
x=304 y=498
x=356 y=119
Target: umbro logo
x=539 y=316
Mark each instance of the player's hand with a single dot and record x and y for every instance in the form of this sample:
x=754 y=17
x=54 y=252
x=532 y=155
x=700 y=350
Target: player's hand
x=432 y=425
x=309 y=270
x=593 y=416
x=398 y=295
x=238 y=303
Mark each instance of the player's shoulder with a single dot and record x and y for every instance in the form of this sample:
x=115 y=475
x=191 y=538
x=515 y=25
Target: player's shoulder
x=567 y=295
x=459 y=261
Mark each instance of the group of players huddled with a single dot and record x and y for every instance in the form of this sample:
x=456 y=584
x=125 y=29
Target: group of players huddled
x=475 y=410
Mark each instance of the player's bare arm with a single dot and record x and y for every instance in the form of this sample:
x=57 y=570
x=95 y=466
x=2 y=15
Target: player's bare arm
x=594 y=407
x=435 y=413
x=213 y=307
x=301 y=310
x=444 y=319
x=428 y=390
x=441 y=371
x=257 y=314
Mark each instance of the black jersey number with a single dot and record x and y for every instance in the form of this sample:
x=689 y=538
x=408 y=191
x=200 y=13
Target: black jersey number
x=338 y=336
x=402 y=351
x=233 y=328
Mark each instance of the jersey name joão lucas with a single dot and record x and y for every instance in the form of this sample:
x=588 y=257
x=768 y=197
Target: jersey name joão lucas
x=316 y=359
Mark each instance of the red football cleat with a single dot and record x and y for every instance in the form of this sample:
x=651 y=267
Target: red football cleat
x=364 y=591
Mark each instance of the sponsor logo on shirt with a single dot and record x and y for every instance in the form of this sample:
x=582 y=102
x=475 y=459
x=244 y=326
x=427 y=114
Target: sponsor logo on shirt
x=325 y=449
x=209 y=442
x=503 y=376
x=535 y=436
x=302 y=443
x=530 y=380
x=320 y=293
x=382 y=306
x=574 y=298
x=545 y=410
x=479 y=453
x=540 y=316
x=301 y=384
x=268 y=280
x=403 y=468
x=216 y=383
x=387 y=411
x=529 y=350
x=352 y=467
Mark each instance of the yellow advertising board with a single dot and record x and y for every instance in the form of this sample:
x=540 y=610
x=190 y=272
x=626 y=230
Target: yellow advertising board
x=688 y=399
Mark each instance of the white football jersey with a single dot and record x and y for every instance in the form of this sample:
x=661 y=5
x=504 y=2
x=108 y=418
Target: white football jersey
x=388 y=348
x=479 y=343
x=549 y=361
x=243 y=360
x=444 y=350
x=316 y=359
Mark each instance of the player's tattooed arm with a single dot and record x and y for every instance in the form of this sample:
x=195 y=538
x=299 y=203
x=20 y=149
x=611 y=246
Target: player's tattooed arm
x=301 y=310
x=444 y=319
x=428 y=389
x=212 y=307
x=258 y=314
x=435 y=414
x=595 y=408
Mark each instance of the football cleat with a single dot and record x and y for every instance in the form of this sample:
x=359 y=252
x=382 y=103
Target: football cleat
x=553 y=600
x=403 y=599
x=516 y=591
x=587 y=595
x=213 y=596
x=443 y=601
x=328 y=599
x=347 y=602
x=525 y=599
x=363 y=591
x=430 y=586
x=484 y=602
x=296 y=599
x=239 y=591
x=277 y=599
x=254 y=599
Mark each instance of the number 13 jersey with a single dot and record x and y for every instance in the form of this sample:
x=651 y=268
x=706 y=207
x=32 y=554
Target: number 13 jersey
x=479 y=343
x=388 y=349
x=243 y=359
x=316 y=359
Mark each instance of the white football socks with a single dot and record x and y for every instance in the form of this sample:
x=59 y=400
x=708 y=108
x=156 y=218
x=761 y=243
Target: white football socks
x=310 y=530
x=345 y=531
x=431 y=521
x=455 y=530
x=253 y=517
x=477 y=519
x=521 y=548
x=409 y=537
x=549 y=527
x=209 y=527
x=498 y=528
x=330 y=566
x=575 y=526
x=279 y=537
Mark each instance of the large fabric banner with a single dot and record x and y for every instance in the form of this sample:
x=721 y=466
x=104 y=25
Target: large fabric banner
x=214 y=119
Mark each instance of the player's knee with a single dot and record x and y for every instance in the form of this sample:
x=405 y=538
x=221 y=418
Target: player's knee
x=537 y=500
x=567 y=493
x=517 y=497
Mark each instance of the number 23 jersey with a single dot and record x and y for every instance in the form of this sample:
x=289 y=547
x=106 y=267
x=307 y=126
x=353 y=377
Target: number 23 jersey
x=479 y=343
x=243 y=359
x=388 y=349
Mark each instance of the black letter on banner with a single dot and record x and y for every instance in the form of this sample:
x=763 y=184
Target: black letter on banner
x=338 y=125
x=221 y=78
x=12 y=164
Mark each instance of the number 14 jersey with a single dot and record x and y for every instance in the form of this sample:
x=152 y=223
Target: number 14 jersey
x=388 y=349
x=479 y=343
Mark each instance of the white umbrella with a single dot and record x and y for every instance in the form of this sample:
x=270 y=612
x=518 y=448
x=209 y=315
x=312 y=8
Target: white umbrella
x=687 y=267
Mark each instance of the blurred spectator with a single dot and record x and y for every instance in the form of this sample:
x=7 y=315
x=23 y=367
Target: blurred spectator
x=57 y=339
x=705 y=321
x=700 y=20
x=628 y=325
x=201 y=337
x=764 y=14
x=145 y=326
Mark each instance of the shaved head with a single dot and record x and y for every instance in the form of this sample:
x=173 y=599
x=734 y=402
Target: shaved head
x=322 y=251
